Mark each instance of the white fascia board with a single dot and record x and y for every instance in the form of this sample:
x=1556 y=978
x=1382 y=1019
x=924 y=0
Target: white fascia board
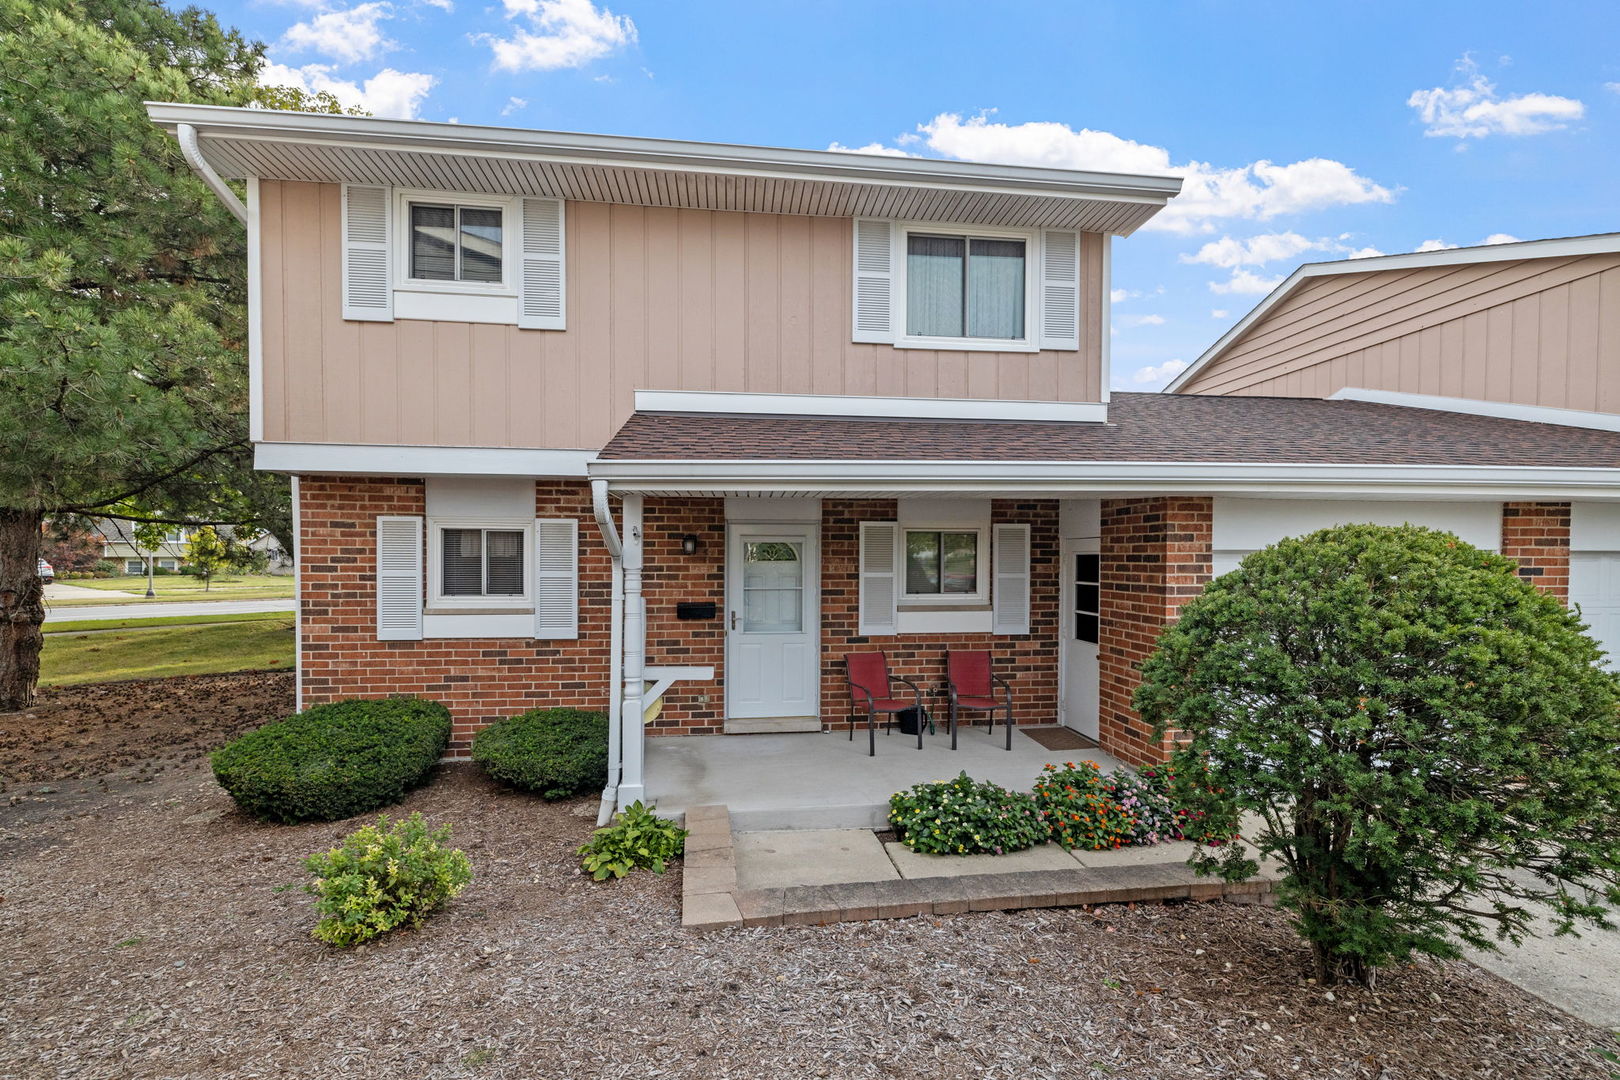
x=842 y=405
x=1052 y=478
x=1562 y=247
x=334 y=459
x=479 y=140
x=1506 y=410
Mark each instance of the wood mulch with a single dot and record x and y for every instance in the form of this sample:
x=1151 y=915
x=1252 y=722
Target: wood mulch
x=147 y=938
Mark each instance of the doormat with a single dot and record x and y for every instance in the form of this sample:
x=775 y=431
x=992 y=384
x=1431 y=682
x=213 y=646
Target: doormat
x=1060 y=738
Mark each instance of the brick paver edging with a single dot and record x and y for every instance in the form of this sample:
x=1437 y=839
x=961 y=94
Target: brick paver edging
x=711 y=900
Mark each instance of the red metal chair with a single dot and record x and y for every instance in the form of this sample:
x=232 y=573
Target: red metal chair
x=870 y=682
x=973 y=688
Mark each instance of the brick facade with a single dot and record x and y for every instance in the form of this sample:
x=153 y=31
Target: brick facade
x=1536 y=536
x=1156 y=555
x=1028 y=662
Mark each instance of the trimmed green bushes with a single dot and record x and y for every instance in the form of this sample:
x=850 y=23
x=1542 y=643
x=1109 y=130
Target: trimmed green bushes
x=553 y=753
x=334 y=761
x=965 y=817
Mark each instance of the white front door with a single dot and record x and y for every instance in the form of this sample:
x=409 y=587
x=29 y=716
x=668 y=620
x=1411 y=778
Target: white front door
x=1594 y=585
x=1080 y=618
x=773 y=639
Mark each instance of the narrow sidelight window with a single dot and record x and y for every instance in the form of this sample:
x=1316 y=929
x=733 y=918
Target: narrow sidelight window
x=455 y=243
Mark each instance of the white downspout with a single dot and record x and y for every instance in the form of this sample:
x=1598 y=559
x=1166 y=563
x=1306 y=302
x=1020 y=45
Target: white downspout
x=199 y=164
x=610 y=537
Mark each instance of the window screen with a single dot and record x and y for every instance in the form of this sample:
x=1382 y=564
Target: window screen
x=960 y=286
x=942 y=563
x=455 y=243
x=481 y=562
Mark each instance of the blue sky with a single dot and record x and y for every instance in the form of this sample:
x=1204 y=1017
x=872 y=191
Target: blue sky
x=1305 y=131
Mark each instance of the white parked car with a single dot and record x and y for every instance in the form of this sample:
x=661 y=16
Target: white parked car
x=47 y=572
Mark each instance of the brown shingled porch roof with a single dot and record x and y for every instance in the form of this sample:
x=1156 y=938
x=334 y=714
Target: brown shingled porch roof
x=1141 y=428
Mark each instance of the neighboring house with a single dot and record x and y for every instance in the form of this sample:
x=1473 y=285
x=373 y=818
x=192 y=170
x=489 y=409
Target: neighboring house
x=597 y=421
x=1527 y=331
x=119 y=546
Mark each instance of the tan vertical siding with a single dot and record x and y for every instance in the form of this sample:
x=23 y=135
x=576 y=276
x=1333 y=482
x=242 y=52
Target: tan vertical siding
x=658 y=299
x=1531 y=331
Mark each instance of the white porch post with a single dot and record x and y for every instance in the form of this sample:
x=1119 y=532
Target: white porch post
x=632 y=782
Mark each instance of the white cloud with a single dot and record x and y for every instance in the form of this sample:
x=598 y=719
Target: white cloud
x=1614 y=86
x=1368 y=252
x=1229 y=254
x=387 y=93
x=1434 y=245
x=1218 y=313
x=513 y=104
x=1474 y=110
x=1119 y=296
x=556 y=34
x=870 y=148
x=1245 y=283
x=1258 y=191
x=1159 y=373
x=1494 y=238
x=348 y=36
x=1143 y=320
x=1500 y=238
x=442 y=5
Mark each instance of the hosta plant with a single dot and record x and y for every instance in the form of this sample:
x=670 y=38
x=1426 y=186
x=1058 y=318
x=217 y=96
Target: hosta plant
x=384 y=876
x=1077 y=810
x=637 y=839
x=965 y=817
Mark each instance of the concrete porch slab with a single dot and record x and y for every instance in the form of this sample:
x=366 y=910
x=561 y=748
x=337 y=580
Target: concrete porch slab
x=826 y=781
x=913 y=865
x=776 y=860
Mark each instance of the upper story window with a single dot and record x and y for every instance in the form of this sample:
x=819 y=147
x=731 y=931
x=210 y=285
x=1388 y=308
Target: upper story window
x=455 y=243
x=965 y=286
x=936 y=285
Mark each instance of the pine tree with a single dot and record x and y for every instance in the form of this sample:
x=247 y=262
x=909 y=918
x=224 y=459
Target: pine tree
x=122 y=286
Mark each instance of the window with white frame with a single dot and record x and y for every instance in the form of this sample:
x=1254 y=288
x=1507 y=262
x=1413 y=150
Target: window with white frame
x=966 y=286
x=942 y=566
x=480 y=565
x=453 y=242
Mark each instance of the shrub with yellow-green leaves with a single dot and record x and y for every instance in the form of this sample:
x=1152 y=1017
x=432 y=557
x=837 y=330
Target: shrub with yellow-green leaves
x=384 y=876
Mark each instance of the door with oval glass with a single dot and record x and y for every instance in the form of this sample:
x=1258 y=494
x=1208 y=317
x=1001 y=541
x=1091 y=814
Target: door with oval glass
x=772 y=628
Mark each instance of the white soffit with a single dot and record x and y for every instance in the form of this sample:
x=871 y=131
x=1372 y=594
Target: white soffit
x=847 y=405
x=1506 y=410
x=1563 y=247
x=323 y=148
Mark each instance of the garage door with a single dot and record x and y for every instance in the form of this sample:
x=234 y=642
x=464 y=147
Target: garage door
x=1594 y=584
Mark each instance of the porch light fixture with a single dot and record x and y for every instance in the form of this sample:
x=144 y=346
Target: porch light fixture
x=689 y=544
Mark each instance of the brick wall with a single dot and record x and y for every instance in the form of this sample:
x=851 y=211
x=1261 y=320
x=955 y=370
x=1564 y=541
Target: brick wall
x=669 y=577
x=1029 y=662
x=1156 y=555
x=484 y=679
x=1536 y=536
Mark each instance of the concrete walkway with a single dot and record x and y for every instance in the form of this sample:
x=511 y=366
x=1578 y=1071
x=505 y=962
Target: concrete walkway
x=161 y=609
x=58 y=590
x=818 y=876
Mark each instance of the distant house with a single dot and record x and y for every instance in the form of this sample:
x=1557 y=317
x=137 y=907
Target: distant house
x=119 y=546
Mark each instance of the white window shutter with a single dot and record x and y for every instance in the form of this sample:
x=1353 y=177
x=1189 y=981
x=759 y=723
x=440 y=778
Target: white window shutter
x=874 y=280
x=367 y=292
x=880 y=579
x=1060 y=290
x=543 y=292
x=1011 y=599
x=399 y=578
x=556 y=578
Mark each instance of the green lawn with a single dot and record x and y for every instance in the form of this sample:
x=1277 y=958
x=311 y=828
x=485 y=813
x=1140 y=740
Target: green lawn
x=157 y=652
x=180 y=587
x=59 y=626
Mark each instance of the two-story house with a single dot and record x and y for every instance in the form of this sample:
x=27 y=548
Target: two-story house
x=671 y=429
